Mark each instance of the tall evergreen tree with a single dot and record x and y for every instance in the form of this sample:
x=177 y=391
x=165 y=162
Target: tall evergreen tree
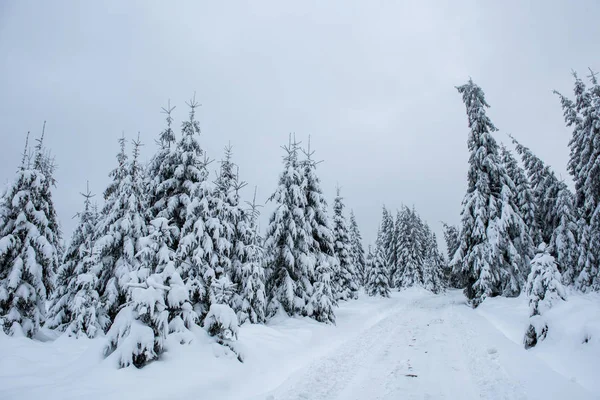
x=288 y=239
x=161 y=183
x=191 y=201
x=388 y=243
x=76 y=307
x=451 y=237
x=411 y=248
x=122 y=224
x=563 y=243
x=554 y=206
x=358 y=251
x=29 y=251
x=377 y=275
x=491 y=225
x=545 y=187
x=583 y=115
x=347 y=277
x=321 y=247
x=433 y=264
x=253 y=293
x=524 y=197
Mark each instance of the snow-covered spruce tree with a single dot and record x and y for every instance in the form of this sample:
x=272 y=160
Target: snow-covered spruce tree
x=76 y=307
x=321 y=247
x=289 y=263
x=552 y=205
x=346 y=277
x=411 y=248
x=403 y=229
x=222 y=323
x=451 y=236
x=191 y=201
x=162 y=187
x=121 y=225
x=563 y=244
x=434 y=279
x=358 y=251
x=377 y=274
x=524 y=197
x=545 y=187
x=584 y=165
x=226 y=215
x=44 y=163
x=157 y=302
x=389 y=243
x=544 y=289
x=253 y=294
x=491 y=225
x=29 y=246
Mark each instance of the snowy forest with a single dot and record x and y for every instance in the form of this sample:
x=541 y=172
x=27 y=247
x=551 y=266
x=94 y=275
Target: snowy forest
x=169 y=251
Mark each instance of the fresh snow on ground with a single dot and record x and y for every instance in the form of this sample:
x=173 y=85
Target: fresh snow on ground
x=414 y=345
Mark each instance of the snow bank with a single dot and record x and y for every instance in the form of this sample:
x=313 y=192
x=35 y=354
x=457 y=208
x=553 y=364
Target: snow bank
x=69 y=368
x=572 y=347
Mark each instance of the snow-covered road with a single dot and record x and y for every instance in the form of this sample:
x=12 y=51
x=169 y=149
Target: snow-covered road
x=428 y=348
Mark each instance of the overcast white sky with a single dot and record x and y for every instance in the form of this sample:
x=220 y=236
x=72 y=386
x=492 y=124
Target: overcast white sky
x=372 y=82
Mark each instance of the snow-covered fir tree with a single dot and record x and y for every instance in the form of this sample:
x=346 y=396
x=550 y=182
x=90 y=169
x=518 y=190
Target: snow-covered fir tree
x=289 y=263
x=29 y=246
x=76 y=307
x=451 y=237
x=346 y=274
x=546 y=189
x=157 y=302
x=121 y=225
x=225 y=228
x=377 y=282
x=161 y=183
x=563 y=243
x=191 y=201
x=389 y=243
x=544 y=289
x=434 y=279
x=583 y=115
x=44 y=163
x=358 y=251
x=524 y=197
x=411 y=249
x=491 y=226
x=253 y=294
x=321 y=247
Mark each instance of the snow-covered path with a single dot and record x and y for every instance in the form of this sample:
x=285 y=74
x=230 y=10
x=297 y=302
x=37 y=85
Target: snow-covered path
x=428 y=348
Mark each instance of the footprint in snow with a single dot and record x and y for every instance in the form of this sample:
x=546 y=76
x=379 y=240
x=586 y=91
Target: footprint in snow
x=493 y=353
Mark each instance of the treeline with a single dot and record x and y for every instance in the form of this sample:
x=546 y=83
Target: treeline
x=170 y=249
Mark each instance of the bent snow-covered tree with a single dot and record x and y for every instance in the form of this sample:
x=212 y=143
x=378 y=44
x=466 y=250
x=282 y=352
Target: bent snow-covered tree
x=583 y=115
x=544 y=289
x=492 y=229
